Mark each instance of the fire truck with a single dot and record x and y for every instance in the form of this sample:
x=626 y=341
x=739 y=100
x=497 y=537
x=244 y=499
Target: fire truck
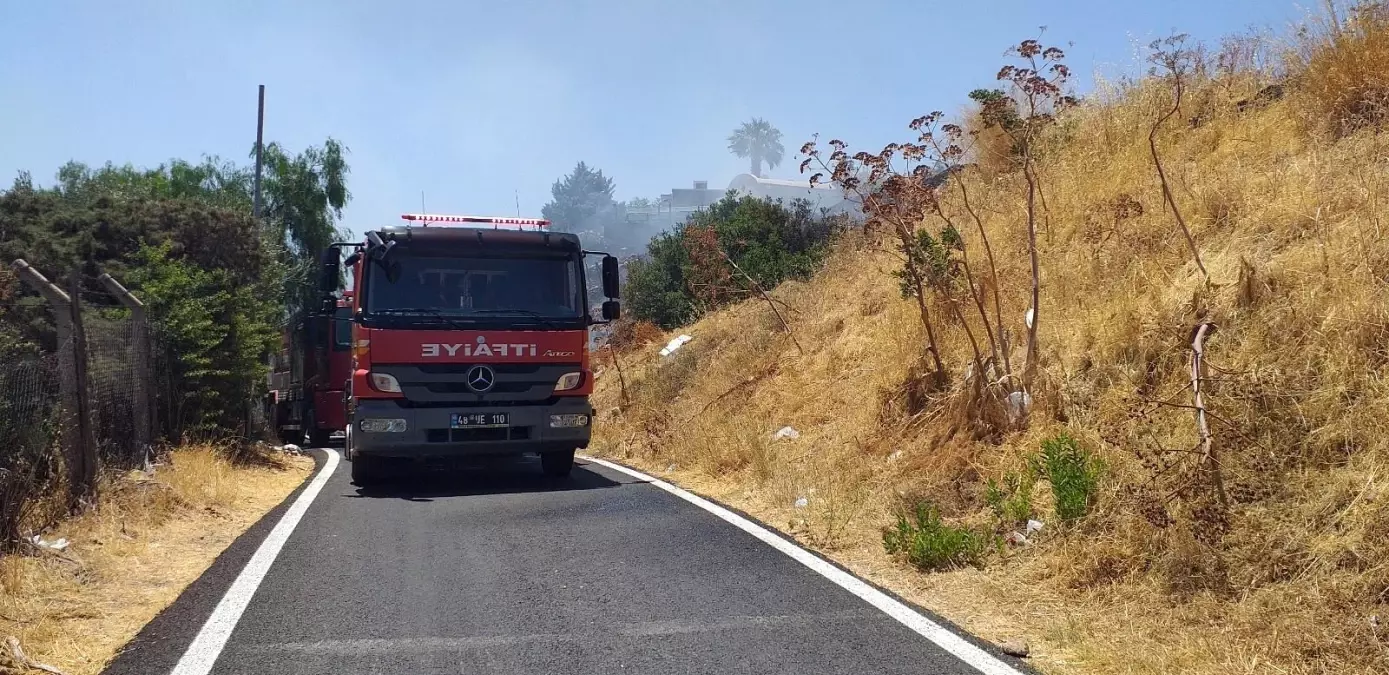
x=470 y=338
x=309 y=377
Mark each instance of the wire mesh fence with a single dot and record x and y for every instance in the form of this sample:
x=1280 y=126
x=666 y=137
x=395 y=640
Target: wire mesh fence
x=119 y=376
x=100 y=399
x=30 y=439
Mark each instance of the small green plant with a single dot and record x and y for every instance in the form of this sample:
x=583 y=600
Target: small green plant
x=1011 y=498
x=931 y=545
x=1074 y=474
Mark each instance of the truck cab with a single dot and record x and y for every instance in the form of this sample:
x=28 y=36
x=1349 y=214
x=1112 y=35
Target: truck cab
x=470 y=338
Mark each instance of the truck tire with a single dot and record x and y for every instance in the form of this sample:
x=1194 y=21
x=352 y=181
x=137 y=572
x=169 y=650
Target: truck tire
x=282 y=420
x=313 y=436
x=557 y=464
x=366 y=471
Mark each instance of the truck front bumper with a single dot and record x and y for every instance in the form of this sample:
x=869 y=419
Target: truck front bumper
x=427 y=432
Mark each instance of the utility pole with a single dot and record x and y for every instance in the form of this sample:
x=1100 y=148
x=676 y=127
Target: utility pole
x=260 y=149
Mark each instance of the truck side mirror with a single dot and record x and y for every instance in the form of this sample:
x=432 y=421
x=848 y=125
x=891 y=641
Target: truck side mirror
x=331 y=272
x=612 y=310
x=611 y=277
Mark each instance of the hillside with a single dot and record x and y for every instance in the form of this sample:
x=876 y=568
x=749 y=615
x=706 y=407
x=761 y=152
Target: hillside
x=1265 y=552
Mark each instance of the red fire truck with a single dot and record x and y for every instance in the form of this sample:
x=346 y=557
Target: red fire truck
x=470 y=337
x=308 y=378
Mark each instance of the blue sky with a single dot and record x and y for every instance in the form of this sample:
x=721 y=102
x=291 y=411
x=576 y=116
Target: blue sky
x=476 y=104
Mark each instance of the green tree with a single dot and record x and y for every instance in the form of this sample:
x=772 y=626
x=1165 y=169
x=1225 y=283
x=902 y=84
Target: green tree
x=656 y=290
x=304 y=195
x=578 y=199
x=768 y=241
x=218 y=332
x=757 y=141
x=220 y=284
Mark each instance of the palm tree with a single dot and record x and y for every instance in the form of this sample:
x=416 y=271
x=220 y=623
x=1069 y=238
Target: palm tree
x=758 y=141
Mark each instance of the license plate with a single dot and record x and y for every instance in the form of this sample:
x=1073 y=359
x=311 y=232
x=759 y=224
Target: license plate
x=478 y=420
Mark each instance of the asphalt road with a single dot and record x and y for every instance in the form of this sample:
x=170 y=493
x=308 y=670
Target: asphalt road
x=503 y=571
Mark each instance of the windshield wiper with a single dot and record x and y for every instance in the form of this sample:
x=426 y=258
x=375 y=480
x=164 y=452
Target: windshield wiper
x=545 y=320
x=431 y=312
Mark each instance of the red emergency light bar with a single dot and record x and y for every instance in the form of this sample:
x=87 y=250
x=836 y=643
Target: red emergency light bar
x=424 y=219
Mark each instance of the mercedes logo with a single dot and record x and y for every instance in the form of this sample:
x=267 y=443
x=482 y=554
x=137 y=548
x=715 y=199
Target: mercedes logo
x=480 y=378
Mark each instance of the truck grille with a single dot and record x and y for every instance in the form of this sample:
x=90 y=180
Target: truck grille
x=440 y=384
x=477 y=435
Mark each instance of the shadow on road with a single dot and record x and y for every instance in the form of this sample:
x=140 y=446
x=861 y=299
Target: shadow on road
x=509 y=476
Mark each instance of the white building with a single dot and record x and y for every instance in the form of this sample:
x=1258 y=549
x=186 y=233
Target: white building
x=820 y=196
x=673 y=208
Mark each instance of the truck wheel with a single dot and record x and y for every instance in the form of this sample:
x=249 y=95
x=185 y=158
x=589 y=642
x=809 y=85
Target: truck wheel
x=557 y=464
x=365 y=470
x=313 y=436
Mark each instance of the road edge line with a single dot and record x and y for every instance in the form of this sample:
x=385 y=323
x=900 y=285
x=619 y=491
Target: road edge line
x=939 y=635
x=203 y=651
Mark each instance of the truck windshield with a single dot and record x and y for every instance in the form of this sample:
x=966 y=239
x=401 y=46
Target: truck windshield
x=483 y=286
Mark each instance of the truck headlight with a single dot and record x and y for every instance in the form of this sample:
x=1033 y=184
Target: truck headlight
x=382 y=425
x=385 y=383
x=569 y=381
x=568 y=421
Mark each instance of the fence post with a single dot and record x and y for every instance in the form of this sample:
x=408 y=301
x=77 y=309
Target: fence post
x=85 y=430
x=73 y=453
x=144 y=427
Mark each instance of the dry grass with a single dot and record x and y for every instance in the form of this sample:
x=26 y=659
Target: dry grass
x=1291 y=578
x=1342 y=74
x=133 y=556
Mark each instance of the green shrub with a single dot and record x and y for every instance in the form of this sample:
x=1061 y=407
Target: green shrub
x=1074 y=474
x=769 y=241
x=930 y=545
x=1011 y=498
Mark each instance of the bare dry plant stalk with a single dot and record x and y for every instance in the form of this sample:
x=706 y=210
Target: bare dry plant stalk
x=1039 y=88
x=1176 y=61
x=621 y=378
x=1205 y=446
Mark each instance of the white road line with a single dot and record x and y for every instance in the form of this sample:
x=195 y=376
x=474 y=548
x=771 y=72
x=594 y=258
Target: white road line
x=208 y=644
x=957 y=646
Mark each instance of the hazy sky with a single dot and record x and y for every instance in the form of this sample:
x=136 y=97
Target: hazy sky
x=474 y=103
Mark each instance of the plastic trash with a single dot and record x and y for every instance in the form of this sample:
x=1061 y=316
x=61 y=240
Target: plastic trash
x=786 y=432
x=1019 y=402
x=56 y=545
x=675 y=344
x=802 y=502
x=1033 y=526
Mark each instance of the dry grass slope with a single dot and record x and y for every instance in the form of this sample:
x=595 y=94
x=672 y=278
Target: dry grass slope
x=130 y=558
x=1286 y=200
